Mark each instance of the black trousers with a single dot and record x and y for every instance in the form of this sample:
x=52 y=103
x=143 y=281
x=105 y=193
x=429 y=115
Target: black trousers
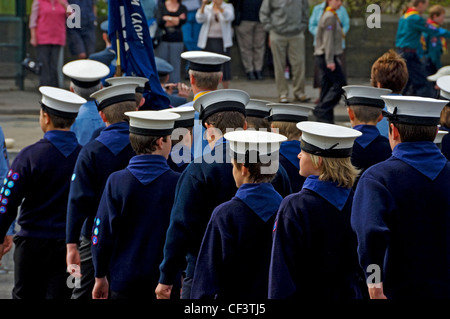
x=48 y=55
x=40 y=269
x=331 y=83
x=417 y=84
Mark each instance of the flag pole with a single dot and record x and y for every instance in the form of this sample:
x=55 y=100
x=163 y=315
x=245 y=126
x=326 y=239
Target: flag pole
x=119 y=65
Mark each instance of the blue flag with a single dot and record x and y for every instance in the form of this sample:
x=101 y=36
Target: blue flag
x=128 y=24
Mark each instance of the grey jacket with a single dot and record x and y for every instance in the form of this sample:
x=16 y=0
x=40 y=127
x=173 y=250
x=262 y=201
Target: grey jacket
x=284 y=17
x=329 y=37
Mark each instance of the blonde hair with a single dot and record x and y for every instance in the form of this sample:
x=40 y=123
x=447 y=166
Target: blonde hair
x=436 y=11
x=339 y=170
x=288 y=129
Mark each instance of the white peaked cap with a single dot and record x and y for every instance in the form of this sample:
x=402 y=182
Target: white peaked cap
x=152 y=123
x=187 y=115
x=327 y=140
x=205 y=61
x=60 y=102
x=140 y=81
x=445 y=70
x=365 y=95
x=257 y=108
x=115 y=94
x=413 y=109
x=221 y=100
x=439 y=136
x=85 y=73
x=289 y=112
x=257 y=141
x=444 y=85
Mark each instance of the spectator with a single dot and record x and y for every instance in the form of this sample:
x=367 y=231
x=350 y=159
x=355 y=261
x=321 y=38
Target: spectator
x=286 y=23
x=171 y=15
x=191 y=28
x=48 y=34
x=82 y=40
x=327 y=50
x=216 y=34
x=312 y=26
x=251 y=37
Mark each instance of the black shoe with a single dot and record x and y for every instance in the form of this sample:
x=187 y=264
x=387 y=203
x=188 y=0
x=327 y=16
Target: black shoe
x=259 y=76
x=251 y=76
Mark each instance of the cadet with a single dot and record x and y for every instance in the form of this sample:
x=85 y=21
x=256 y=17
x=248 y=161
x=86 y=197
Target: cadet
x=40 y=176
x=164 y=69
x=364 y=106
x=444 y=84
x=109 y=152
x=85 y=78
x=130 y=226
x=234 y=258
x=181 y=155
x=401 y=208
x=314 y=248
x=257 y=112
x=409 y=32
x=283 y=119
x=140 y=89
x=205 y=75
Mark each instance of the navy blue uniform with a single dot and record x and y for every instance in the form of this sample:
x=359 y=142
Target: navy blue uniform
x=234 y=258
x=180 y=157
x=370 y=148
x=314 y=248
x=40 y=176
x=131 y=224
x=289 y=151
x=109 y=152
x=401 y=215
x=201 y=188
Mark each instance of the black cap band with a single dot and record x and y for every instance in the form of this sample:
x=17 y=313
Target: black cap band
x=150 y=132
x=329 y=152
x=257 y=113
x=184 y=123
x=205 y=67
x=223 y=106
x=410 y=119
x=364 y=101
x=65 y=115
x=286 y=118
x=84 y=84
x=116 y=99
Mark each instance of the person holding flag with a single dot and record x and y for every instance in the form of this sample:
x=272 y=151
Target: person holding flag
x=130 y=38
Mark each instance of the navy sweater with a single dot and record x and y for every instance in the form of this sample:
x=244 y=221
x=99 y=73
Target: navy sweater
x=93 y=167
x=314 y=250
x=131 y=223
x=401 y=215
x=40 y=176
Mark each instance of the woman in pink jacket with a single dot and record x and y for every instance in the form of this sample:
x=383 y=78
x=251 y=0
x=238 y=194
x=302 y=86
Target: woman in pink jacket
x=48 y=35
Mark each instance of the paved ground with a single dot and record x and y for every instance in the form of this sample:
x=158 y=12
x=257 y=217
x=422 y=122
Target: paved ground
x=19 y=118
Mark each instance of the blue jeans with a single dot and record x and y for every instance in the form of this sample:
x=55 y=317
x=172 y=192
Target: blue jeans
x=191 y=29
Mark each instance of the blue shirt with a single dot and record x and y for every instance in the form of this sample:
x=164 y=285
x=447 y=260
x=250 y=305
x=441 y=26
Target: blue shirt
x=88 y=120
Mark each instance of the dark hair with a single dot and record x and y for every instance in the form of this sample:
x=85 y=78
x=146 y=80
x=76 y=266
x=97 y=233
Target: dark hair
x=255 y=172
x=391 y=71
x=143 y=144
x=415 y=133
x=114 y=113
x=60 y=122
x=366 y=114
x=226 y=120
x=257 y=123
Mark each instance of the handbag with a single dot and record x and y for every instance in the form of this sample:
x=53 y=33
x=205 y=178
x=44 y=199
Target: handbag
x=32 y=65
